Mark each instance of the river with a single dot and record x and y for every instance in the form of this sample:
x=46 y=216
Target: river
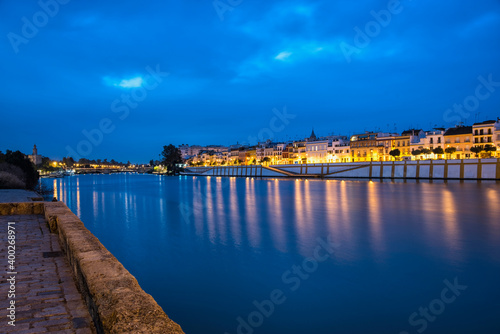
x=250 y=255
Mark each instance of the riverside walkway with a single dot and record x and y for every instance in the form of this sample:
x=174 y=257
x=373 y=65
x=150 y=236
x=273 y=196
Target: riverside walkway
x=60 y=279
x=46 y=297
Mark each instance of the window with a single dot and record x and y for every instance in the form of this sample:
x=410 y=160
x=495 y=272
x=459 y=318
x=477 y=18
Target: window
x=432 y=140
x=475 y=132
x=439 y=140
x=481 y=132
x=489 y=131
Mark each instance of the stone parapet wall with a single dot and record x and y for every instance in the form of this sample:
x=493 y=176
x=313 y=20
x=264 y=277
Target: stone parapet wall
x=116 y=302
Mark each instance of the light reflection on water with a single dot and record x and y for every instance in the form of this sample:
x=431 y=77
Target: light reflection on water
x=206 y=248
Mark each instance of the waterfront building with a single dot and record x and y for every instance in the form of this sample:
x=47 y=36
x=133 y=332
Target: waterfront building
x=364 y=147
x=317 y=151
x=341 y=150
x=35 y=158
x=386 y=142
x=405 y=141
x=483 y=133
x=188 y=152
x=299 y=152
x=277 y=157
x=496 y=137
x=268 y=151
x=434 y=138
x=459 y=137
x=251 y=156
x=431 y=140
x=233 y=156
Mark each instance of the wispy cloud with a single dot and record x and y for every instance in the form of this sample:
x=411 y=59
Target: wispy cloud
x=124 y=83
x=283 y=55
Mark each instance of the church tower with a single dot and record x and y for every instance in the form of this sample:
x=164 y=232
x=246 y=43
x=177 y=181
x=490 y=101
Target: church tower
x=313 y=136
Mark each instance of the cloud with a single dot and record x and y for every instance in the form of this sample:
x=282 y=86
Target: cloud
x=283 y=55
x=125 y=83
x=131 y=83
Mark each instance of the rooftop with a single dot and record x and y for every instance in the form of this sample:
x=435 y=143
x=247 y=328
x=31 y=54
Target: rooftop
x=459 y=130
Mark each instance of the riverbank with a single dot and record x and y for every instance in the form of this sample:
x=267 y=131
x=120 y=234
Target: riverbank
x=111 y=297
x=470 y=169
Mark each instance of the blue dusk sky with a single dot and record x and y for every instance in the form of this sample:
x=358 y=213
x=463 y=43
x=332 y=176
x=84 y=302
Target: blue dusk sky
x=120 y=79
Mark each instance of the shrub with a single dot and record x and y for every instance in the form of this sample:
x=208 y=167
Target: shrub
x=20 y=160
x=10 y=181
x=14 y=170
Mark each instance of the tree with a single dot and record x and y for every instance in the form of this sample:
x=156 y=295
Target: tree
x=395 y=153
x=28 y=169
x=69 y=161
x=450 y=150
x=266 y=160
x=416 y=152
x=426 y=151
x=476 y=149
x=490 y=148
x=438 y=150
x=171 y=157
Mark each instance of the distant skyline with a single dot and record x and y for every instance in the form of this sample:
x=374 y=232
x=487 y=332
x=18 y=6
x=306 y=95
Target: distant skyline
x=120 y=79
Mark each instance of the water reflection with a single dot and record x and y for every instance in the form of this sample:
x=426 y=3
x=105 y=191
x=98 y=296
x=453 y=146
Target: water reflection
x=240 y=234
x=375 y=217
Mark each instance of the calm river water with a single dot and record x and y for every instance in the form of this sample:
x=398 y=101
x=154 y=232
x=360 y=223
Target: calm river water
x=245 y=255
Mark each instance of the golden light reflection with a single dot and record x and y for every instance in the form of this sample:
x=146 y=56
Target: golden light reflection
x=207 y=203
x=450 y=221
x=493 y=200
x=252 y=221
x=78 y=204
x=300 y=218
x=221 y=215
x=275 y=214
x=344 y=209
x=234 y=213
x=54 y=185
x=196 y=208
x=375 y=217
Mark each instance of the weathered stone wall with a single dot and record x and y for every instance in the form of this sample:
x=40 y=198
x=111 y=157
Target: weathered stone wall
x=116 y=302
